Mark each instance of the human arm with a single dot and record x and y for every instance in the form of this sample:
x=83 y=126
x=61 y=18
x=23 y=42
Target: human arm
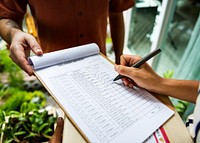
x=20 y=43
x=116 y=20
x=116 y=8
x=147 y=78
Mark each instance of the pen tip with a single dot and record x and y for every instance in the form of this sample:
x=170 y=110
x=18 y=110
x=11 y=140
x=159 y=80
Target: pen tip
x=118 y=77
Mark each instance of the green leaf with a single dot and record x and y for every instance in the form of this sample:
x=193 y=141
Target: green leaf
x=14 y=98
x=32 y=119
x=168 y=74
x=26 y=127
x=51 y=119
x=35 y=128
x=23 y=119
x=18 y=126
x=30 y=135
x=9 y=141
x=2 y=116
x=46 y=136
x=20 y=133
x=24 y=108
x=47 y=131
x=14 y=114
x=43 y=126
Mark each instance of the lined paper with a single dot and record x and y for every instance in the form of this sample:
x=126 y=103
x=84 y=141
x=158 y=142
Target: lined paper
x=104 y=111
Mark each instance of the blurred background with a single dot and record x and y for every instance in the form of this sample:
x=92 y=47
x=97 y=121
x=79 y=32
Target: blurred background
x=173 y=26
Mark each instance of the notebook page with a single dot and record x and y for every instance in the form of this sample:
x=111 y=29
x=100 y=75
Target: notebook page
x=61 y=56
x=105 y=111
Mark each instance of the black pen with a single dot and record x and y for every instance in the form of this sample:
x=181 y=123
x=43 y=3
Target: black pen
x=141 y=62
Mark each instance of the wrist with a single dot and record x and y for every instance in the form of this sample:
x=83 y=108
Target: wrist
x=7 y=29
x=162 y=86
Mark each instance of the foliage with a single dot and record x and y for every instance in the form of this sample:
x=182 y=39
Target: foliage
x=15 y=76
x=21 y=118
x=168 y=74
x=29 y=125
x=21 y=125
x=13 y=98
x=12 y=94
x=181 y=107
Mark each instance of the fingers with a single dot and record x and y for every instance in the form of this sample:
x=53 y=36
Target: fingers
x=128 y=60
x=20 y=48
x=128 y=82
x=126 y=71
x=144 y=76
x=34 y=46
x=17 y=54
x=124 y=59
x=57 y=136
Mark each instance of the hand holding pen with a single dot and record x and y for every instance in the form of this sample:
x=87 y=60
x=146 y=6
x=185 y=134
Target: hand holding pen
x=141 y=61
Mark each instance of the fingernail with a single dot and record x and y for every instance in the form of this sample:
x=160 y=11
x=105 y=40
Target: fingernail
x=59 y=120
x=38 y=50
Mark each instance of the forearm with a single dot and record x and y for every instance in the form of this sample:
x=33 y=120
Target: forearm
x=117 y=32
x=182 y=89
x=7 y=29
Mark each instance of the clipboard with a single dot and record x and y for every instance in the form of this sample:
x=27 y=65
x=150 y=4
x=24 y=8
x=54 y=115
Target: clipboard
x=80 y=80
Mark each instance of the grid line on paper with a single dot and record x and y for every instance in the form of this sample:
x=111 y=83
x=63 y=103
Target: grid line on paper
x=107 y=108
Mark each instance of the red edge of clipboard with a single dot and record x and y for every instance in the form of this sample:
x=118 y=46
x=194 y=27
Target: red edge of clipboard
x=163 y=134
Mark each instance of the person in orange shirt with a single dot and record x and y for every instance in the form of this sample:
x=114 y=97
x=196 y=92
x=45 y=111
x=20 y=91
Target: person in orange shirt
x=61 y=24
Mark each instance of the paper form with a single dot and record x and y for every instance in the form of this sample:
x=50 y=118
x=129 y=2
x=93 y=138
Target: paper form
x=105 y=111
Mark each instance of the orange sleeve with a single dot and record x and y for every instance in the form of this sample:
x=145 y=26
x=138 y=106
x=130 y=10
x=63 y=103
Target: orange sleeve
x=120 y=5
x=13 y=9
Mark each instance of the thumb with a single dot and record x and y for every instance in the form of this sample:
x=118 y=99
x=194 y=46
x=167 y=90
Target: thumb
x=57 y=136
x=35 y=47
x=125 y=71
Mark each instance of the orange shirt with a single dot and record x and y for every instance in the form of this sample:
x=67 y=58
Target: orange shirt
x=66 y=23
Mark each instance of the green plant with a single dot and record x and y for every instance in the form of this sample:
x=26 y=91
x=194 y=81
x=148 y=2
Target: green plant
x=29 y=125
x=181 y=107
x=21 y=118
x=12 y=98
x=15 y=76
x=168 y=74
